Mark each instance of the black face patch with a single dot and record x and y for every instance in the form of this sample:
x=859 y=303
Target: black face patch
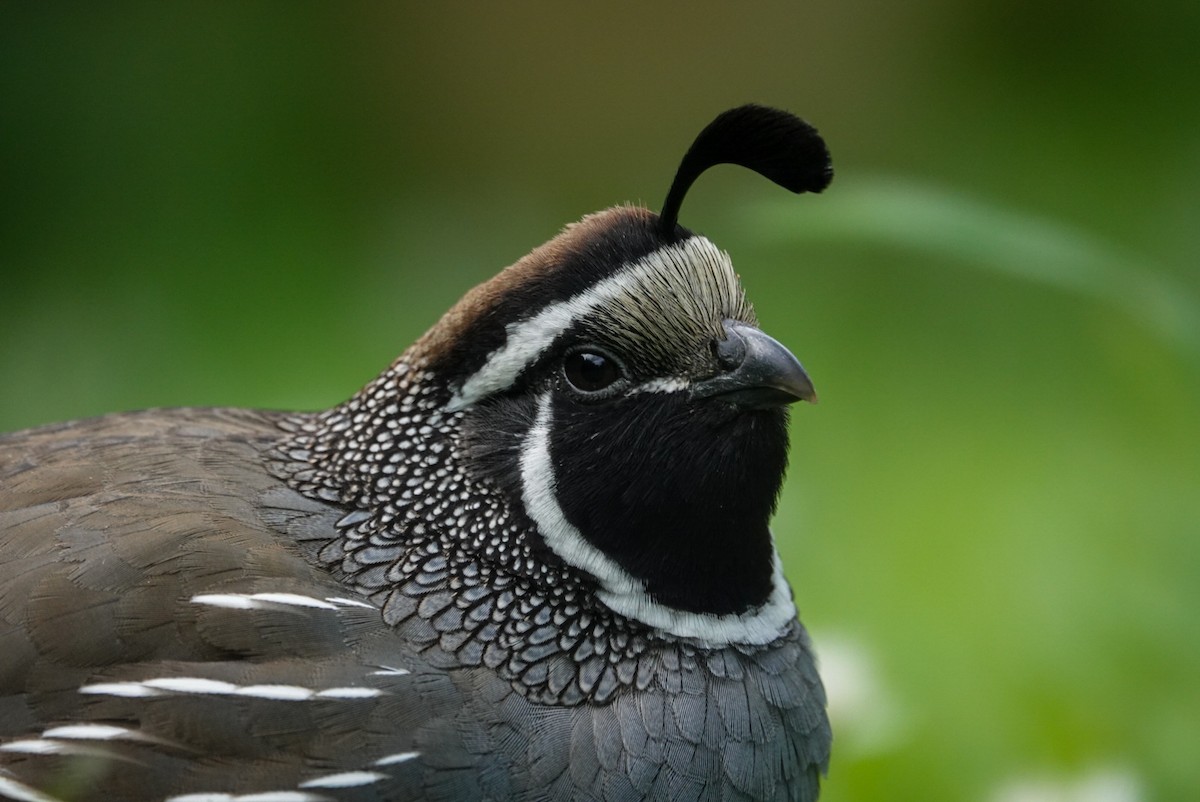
x=677 y=492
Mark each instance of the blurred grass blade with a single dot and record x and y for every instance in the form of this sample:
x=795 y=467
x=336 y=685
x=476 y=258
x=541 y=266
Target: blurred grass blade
x=967 y=231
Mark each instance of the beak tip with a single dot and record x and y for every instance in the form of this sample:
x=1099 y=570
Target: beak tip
x=763 y=374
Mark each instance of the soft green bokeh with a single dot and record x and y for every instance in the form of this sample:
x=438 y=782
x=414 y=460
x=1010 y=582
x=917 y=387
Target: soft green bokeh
x=993 y=516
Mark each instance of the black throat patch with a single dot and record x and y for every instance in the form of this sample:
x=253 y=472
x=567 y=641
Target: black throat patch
x=677 y=492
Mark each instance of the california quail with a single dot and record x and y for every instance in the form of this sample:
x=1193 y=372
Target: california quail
x=529 y=561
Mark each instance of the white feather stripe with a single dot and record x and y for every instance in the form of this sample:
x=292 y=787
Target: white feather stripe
x=20 y=792
x=92 y=732
x=126 y=689
x=350 y=692
x=621 y=591
x=350 y=602
x=345 y=779
x=262 y=796
x=36 y=746
x=159 y=686
x=265 y=601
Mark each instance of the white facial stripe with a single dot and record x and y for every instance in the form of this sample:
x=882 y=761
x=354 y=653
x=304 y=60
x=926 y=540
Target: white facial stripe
x=528 y=339
x=669 y=384
x=621 y=591
x=541 y=504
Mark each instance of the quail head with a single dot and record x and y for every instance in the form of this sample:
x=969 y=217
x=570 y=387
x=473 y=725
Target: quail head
x=530 y=561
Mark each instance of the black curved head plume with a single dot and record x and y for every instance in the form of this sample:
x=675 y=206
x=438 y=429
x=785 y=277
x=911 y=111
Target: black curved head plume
x=771 y=142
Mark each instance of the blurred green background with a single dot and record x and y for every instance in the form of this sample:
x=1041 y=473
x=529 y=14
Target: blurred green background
x=992 y=520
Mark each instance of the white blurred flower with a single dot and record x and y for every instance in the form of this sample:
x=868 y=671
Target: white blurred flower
x=865 y=715
x=1101 y=784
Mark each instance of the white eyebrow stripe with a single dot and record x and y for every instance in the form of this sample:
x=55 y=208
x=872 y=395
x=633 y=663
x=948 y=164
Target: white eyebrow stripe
x=527 y=339
x=345 y=779
x=399 y=757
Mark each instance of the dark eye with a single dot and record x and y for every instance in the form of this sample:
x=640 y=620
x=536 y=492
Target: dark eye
x=590 y=372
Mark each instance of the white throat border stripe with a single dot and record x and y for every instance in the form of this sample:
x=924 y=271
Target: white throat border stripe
x=622 y=592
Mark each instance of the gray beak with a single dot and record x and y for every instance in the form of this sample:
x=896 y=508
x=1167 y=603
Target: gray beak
x=758 y=371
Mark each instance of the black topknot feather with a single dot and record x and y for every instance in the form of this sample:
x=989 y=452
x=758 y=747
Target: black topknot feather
x=773 y=143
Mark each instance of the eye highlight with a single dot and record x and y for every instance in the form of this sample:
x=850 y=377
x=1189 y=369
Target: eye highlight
x=591 y=371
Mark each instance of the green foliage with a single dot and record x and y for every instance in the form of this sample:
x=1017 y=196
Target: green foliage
x=904 y=215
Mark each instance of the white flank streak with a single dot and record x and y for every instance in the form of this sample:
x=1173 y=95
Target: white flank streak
x=621 y=591
x=11 y=789
x=399 y=757
x=231 y=601
x=346 y=779
x=294 y=599
x=350 y=602
x=283 y=693
x=349 y=693
x=36 y=747
x=120 y=689
x=527 y=339
x=388 y=671
x=259 y=601
x=190 y=685
x=92 y=732
x=198 y=685
x=264 y=796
